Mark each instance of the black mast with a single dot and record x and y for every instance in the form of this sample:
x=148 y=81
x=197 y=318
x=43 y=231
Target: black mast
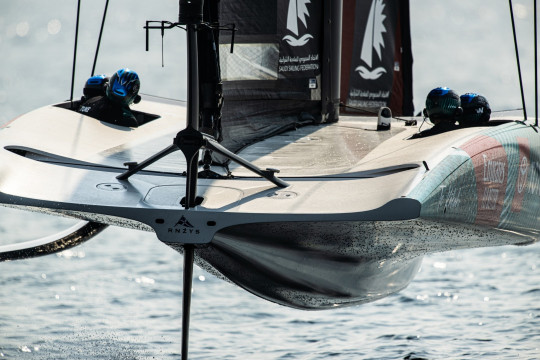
x=190 y=140
x=331 y=64
x=210 y=86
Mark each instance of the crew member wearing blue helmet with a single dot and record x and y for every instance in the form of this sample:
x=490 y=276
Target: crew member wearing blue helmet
x=476 y=110
x=443 y=108
x=94 y=86
x=112 y=105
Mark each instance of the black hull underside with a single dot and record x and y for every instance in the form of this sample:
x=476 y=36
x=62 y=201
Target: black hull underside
x=311 y=265
x=322 y=265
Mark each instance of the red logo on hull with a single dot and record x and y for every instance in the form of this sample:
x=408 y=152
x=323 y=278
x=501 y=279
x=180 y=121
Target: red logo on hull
x=523 y=170
x=491 y=171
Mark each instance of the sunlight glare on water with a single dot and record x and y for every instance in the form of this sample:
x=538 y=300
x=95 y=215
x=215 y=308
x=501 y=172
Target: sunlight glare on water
x=119 y=296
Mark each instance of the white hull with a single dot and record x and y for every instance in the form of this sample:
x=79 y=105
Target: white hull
x=361 y=209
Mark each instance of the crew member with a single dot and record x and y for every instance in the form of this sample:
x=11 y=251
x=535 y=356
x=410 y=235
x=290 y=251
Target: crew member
x=476 y=110
x=94 y=86
x=443 y=108
x=121 y=91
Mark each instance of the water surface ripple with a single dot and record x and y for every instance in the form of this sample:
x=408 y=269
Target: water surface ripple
x=119 y=297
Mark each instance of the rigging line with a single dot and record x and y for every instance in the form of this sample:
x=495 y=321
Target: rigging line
x=505 y=110
x=422 y=124
x=173 y=99
x=366 y=110
x=75 y=52
x=99 y=38
x=517 y=59
x=373 y=29
x=535 y=68
x=341 y=104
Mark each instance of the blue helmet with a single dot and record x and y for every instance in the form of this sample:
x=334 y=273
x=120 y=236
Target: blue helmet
x=95 y=86
x=476 y=109
x=123 y=87
x=442 y=103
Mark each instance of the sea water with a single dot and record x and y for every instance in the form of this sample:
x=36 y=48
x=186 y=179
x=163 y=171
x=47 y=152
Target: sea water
x=118 y=296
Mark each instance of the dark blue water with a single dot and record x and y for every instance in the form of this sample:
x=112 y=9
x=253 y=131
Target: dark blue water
x=119 y=296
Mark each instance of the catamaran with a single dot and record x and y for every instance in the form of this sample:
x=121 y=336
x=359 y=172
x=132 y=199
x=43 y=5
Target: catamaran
x=260 y=180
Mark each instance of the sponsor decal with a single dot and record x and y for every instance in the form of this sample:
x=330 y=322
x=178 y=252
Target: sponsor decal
x=373 y=54
x=297 y=13
x=490 y=164
x=299 y=64
x=373 y=42
x=299 y=54
x=522 y=173
x=183 y=226
x=183 y=222
x=449 y=199
x=533 y=179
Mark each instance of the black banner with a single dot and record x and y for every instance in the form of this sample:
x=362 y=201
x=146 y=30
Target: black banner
x=373 y=63
x=253 y=19
x=285 y=43
x=300 y=34
x=272 y=80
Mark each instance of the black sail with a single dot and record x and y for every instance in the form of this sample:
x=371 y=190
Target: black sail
x=290 y=65
x=377 y=58
x=272 y=80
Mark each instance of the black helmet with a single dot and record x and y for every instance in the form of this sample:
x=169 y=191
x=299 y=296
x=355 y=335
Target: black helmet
x=476 y=109
x=123 y=88
x=95 y=86
x=442 y=104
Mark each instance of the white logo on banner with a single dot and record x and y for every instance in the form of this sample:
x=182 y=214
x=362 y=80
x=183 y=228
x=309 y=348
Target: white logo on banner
x=297 y=12
x=373 y=40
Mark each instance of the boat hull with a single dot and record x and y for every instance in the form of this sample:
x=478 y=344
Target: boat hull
x=322 y=265
x=315 y=265
x=361 y=210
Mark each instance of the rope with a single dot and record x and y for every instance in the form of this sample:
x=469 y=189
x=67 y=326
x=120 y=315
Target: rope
x=99 y=38
x=517 y=58
x=75 y=52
